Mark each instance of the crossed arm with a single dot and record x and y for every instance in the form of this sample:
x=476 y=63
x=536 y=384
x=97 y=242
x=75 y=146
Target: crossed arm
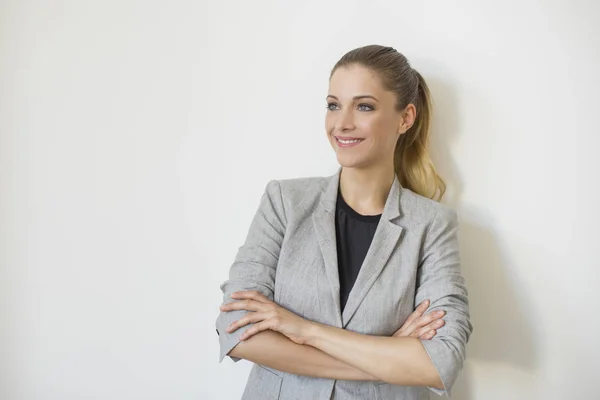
x=330 y=352
x=323 y=351
x=275 y=350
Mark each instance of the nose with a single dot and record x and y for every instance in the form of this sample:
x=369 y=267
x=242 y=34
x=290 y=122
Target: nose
x=345 y=120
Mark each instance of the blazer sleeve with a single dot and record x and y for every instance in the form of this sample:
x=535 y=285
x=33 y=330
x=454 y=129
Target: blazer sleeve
x=439 y=279
x=255 y=263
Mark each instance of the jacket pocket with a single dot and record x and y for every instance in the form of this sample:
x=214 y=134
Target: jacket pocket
x=262 y=384
x=385 y=391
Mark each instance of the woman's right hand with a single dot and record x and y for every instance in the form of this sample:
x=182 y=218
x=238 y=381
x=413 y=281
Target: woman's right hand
x=419 y=326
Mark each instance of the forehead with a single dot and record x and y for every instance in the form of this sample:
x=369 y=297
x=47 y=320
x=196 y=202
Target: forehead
x=347 y=82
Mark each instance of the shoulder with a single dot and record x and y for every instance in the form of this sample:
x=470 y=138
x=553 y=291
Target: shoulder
x=419 y=209
x=302 y=187
x=302 y=191
x=298 y=196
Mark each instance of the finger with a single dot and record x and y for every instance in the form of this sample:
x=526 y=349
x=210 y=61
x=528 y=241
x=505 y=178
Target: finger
x=417 y=313
x=428 y=318
x=250 y=305
x=256 y=328
x=250 y=294
x=247 y=319
x=437 y=324
x=428 y=335
x=411 y=327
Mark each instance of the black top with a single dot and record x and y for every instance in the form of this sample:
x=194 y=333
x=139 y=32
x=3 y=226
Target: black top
x=354 y=233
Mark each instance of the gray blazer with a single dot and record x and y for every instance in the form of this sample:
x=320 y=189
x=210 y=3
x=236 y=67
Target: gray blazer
x=290 y=256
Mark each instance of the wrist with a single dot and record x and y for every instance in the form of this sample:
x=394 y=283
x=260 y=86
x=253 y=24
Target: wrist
x=312 y=333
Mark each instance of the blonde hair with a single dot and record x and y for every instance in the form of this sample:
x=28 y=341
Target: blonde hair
x=412 y=163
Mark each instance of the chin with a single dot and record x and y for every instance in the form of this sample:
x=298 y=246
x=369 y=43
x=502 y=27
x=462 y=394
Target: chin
x=350 y=162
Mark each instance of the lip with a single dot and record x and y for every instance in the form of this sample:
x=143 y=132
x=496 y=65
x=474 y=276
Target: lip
x=347 y=145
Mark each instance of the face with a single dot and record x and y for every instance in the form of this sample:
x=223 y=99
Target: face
x=362 y=122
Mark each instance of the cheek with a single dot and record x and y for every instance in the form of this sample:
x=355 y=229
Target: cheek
x=329 y=123
x=383 y=138
x=377 y=129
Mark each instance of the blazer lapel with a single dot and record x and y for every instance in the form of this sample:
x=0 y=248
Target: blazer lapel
x=384 y=242
x=324 y=221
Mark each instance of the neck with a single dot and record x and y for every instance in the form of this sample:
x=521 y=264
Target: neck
x=366 y=190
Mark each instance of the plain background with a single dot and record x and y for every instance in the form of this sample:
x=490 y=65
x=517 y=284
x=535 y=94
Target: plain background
x=137 y=138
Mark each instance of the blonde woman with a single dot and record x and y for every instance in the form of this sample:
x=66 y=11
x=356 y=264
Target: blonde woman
x=322 y=295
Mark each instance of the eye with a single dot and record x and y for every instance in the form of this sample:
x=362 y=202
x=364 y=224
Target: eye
x=365 y=107
x=330 y=105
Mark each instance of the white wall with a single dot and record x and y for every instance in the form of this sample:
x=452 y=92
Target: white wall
x=136 y=139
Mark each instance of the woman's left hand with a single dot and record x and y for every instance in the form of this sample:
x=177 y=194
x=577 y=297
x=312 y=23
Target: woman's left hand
x=266 y=315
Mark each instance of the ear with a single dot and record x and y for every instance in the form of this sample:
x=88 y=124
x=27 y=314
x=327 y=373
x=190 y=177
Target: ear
x=409 y=115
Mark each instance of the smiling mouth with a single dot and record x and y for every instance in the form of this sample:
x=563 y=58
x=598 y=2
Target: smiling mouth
x=348 y=142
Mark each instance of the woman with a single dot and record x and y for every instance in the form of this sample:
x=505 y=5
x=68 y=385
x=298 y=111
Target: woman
x=321 y=296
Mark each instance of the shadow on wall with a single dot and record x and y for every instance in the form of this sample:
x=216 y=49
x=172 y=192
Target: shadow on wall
x=503 y=330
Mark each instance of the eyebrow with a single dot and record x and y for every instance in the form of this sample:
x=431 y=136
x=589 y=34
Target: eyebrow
x=362 y=96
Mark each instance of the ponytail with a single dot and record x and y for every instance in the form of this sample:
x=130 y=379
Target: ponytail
x=412 y=163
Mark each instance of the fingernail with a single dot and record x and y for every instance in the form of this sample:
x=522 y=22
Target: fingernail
x=441 y=312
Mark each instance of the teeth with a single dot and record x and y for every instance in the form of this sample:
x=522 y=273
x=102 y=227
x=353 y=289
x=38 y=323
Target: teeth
x=349 y=141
